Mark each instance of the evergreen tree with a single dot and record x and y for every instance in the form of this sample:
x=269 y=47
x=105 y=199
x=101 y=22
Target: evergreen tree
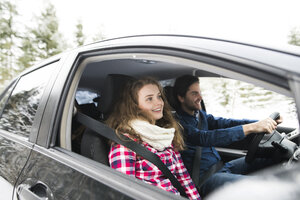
x=44 y=40
x=80 y=38
x=294 y=37
x=8 y=40
x=46 y=35
x=29 y=53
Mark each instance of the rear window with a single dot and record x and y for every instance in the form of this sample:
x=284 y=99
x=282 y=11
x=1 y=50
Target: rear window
x=86 y=97
x=4 y=96
x=20 y=109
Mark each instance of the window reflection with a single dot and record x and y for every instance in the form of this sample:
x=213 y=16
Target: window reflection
x=19 y=112
x=4 y=98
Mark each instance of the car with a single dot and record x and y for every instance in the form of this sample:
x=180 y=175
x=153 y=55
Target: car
x=47 y=152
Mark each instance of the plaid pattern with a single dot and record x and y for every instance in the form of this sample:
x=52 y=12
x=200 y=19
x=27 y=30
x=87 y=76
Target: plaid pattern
x=127 y=162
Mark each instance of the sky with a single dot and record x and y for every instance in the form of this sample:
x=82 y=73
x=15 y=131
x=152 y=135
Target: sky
x=253 y=21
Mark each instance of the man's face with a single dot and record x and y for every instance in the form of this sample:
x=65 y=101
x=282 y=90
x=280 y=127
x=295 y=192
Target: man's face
x=191 y=102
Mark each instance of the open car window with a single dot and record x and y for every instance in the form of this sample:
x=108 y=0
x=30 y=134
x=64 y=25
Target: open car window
x=237 y=99
x=226 y=97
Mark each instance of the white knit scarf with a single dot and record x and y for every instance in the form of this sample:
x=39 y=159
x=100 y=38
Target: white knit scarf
x=158 y=137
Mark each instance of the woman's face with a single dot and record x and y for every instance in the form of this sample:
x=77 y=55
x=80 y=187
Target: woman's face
x=150 y=101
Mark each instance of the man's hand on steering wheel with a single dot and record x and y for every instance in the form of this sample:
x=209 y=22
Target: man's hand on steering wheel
x=267 y=125
x=279 y=120
x=260 y=128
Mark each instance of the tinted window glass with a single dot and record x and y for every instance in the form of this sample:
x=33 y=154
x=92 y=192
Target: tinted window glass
x=19 y=112
x=4 y=97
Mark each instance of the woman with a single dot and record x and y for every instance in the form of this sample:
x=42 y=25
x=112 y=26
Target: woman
x=142 y=115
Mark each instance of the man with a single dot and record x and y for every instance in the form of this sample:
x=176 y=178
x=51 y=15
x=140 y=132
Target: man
x=211 y=131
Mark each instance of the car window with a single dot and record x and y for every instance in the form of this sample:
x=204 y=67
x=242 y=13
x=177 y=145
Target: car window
x=165 y=83
x=19 y=111
x=86 y=97
x=4 y=97
x=237 y=99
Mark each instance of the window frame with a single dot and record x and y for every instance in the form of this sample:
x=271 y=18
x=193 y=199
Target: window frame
x=230 y=68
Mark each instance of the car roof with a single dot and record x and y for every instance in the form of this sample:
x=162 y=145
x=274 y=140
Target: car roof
x=282 y=62
x=284 y=57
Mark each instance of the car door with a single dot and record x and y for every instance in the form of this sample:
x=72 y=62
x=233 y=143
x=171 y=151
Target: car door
x=53 y=171
x=19 y=104
x=9 y=151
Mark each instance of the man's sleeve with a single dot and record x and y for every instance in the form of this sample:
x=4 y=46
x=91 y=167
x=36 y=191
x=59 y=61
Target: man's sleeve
x=219 y=122
x=218 y=137
x=221 y=131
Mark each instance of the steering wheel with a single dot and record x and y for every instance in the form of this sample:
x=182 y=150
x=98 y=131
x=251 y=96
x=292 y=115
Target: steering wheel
x=258 y=139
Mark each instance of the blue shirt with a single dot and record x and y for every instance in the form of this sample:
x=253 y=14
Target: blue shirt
x=213 y=132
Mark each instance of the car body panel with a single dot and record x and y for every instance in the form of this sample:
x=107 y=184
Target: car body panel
x=14 y=153
x=64 y=182
x=70 y=176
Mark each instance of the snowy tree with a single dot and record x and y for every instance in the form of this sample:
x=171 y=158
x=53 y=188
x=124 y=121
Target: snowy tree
x=8 y=40
x=42 y=41
x=294 y=37
x=80 y=38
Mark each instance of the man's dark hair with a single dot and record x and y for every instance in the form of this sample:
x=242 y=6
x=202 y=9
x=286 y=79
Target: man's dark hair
x=182 y=85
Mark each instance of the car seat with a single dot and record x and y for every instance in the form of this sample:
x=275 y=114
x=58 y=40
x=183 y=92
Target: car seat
x=169 y=93
x=113 y=87
x=93 y=145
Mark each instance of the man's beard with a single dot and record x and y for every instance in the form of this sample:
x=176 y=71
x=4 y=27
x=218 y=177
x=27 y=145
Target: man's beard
x=193 y=107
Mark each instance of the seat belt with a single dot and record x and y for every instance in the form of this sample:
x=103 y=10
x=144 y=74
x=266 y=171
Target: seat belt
x=109 y=133
x=213 y=169
x=197 y=158
x=196 y=164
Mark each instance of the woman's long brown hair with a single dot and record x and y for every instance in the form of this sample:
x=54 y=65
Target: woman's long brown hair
x=127 y=109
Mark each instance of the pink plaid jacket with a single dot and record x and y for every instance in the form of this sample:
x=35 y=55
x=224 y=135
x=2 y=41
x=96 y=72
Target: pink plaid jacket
x=127 y=162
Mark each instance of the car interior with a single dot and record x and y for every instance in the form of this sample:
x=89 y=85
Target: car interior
x=98 y=81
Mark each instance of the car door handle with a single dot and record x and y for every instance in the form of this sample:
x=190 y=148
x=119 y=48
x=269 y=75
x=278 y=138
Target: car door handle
x=38 y=191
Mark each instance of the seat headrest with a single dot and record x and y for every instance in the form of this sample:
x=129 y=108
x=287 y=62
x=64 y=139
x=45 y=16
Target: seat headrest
x=169 y=92
x=113 y=87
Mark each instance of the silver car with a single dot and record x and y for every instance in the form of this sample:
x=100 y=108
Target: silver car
x=45 y=153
